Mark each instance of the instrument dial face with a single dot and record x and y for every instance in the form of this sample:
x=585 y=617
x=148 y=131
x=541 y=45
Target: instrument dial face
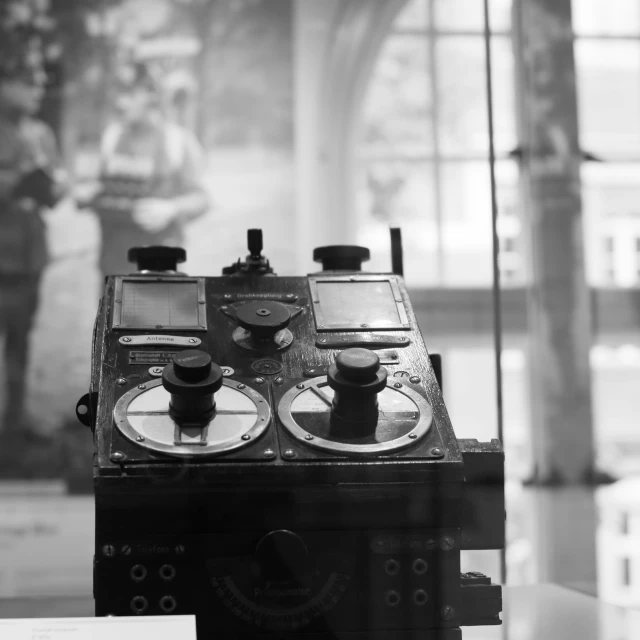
x=283 y=605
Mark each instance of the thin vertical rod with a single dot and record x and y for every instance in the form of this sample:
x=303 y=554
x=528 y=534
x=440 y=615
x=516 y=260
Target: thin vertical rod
x=497 y=307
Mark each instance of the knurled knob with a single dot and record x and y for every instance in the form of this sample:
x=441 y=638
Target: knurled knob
x=341 y=257
x=157 y=257
x=192 y=373
x=263 y=318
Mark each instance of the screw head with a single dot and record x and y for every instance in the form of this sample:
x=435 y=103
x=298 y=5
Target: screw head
x=242 y=386
x=192 y=340
x=142 y=386
x=308 y=437
x=323 y=340
x=227 y=296
x=289 y=454
x=414 y=379
x=121 y=381
x=398 y=385
x=448 y=612
x=126 y=339
x=413 y=436
x=300 y=386
x=246 y=436
x=436 y=451
x=140 y=439
x=108 y=550
x=259 y=380
x=268 y=453
x=279 y=381
x=227 y=371
x=117 y=456
x=446 y=543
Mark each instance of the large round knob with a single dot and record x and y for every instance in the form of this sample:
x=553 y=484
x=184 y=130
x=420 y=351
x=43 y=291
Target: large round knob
x=157 y=257
x=263 y=318
x=341 y=257
x=282 y=556
x=356 y=378
x=192 y=379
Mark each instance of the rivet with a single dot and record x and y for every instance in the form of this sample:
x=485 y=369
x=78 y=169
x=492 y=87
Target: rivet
x=259 y=380
x=398 y=385
x=413 y=436
x=140 y=439
x=117 y=456
x=279 y=380
x=289 y=453
x=414 y=379
x=246 y=436
x=242 y=386
x=121 y=381
x=192 y=340
x=142 y=386
x=300 y=386
x=268 y=453
x=308 y=437
x=436 y=451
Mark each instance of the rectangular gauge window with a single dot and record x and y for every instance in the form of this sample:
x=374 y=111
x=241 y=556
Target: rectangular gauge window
x=145 y=303
x=357 y=305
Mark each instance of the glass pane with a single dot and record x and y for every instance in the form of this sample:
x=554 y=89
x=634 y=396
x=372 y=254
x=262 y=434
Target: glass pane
x=618 y=17
x=611 y=206
x=616 y=406
x=468 y=15
x=397 y=109
x=463 y=126
x=466 y=215
x=608 y=79
x=399 y=194
x=415 y=15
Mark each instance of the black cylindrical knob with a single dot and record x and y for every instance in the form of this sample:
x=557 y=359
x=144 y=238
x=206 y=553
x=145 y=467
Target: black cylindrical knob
x=263 y=318
x=356 y=378
x=341 y=257
x=282 y=556
x=192 y=379
x=157 y=257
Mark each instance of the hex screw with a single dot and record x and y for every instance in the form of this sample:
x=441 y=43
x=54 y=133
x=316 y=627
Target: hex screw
x=121 y=381
x=289 y=454
x=414 y=379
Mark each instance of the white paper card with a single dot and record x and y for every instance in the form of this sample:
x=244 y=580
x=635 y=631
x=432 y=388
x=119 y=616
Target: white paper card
x=121 y=628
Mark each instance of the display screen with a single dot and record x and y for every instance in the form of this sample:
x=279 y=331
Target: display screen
x=350 y=305
x=166 y=304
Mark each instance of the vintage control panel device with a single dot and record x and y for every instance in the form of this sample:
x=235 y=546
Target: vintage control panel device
x=273 y=454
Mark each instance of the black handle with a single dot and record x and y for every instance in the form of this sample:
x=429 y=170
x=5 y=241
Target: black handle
x=157 y=257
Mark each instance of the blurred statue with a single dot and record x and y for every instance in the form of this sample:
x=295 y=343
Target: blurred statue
x=151 y=175
x=31 y=181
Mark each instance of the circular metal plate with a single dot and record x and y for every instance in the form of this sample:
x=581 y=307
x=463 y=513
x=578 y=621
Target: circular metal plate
x=142 y=416
x=392 y=401
x=267 y=367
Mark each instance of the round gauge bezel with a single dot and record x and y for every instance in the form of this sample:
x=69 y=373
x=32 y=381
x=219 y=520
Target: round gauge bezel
x=262 y=422
x=421 y=429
